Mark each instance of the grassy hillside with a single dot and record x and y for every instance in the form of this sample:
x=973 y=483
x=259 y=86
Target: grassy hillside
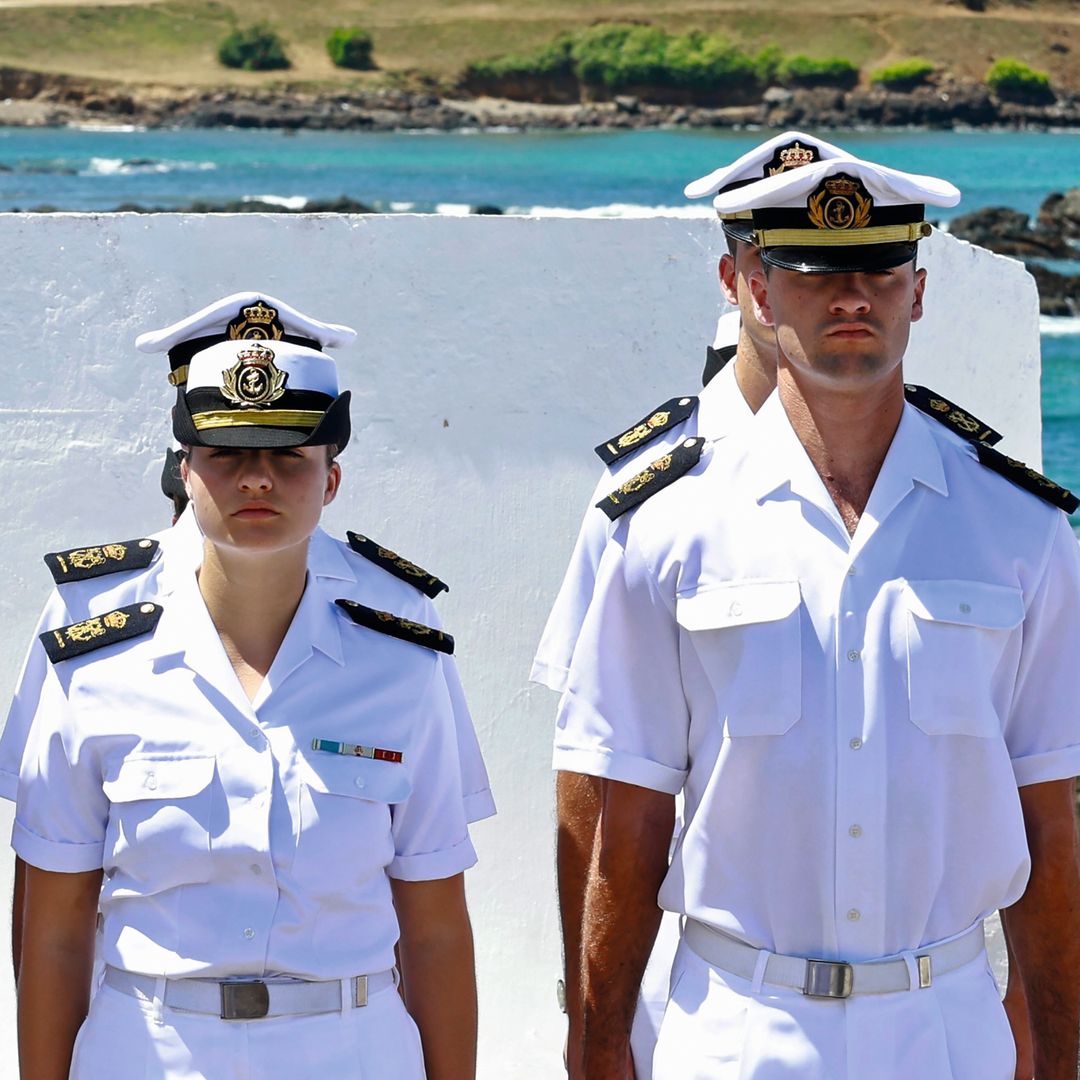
x=174 y=41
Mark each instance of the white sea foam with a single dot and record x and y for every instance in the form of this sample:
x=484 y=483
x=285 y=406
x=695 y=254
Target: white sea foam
x=618 y=210
x=118 y=129
x=102 y=166
x=402 y=207
x=288 y=202
x=1059 y=325
x=449 y=209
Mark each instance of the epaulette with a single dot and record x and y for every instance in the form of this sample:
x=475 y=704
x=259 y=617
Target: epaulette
x=79 y=564
x=393 y=563
x=663 y=471
x=90 y=634
x=960 y=421
x=1028 y=479
x=395 y=626
x=715 y=361
x=648 y=428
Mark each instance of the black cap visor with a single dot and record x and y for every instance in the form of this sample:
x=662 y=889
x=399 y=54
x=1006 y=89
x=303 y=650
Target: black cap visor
x=245 y=433
x=741 y=230
x=853 y=259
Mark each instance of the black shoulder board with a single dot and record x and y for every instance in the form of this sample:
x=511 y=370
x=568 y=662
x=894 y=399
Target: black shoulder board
x=645 y=430
x=663 y=471
x=1028 y=479
x=385 y=623
x=90 y=634
x=79 y=564
x=393 y=563
x=715 y=362
x=958 y=420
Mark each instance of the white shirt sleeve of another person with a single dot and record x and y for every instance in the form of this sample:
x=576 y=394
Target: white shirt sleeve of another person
x=1042 y=731
x=623 y=715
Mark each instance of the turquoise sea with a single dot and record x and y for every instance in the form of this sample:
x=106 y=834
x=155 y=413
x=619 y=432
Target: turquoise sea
x=596 y=173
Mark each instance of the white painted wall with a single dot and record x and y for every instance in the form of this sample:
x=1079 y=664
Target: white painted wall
x=493 y=354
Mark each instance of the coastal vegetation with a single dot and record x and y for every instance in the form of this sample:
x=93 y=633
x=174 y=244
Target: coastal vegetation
x=253 y=48
x=350 y=47
x=904 y=75
x=430 y=42
x=1013 y=79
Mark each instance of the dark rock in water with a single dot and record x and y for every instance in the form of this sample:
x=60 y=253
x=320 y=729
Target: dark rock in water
x=1062 y=212
x=486 y=208
x=1059 y=294
x=341 y=205
x=1009 y=232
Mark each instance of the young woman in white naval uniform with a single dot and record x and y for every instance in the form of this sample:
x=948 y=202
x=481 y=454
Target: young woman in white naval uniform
x=261 y=782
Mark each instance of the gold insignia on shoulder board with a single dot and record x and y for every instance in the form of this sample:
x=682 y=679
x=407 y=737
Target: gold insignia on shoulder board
x=840 y=202
x=86 y=630
x=115 y=620
x=84 y=558
x=254 y=379
x=642 y=431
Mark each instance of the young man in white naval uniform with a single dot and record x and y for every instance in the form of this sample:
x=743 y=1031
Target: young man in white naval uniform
x=846 y=640
x=93 y=580
x=740 y=374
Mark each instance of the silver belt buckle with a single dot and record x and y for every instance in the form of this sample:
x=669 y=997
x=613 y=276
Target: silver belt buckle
x=828 y=979
x=249 y=1000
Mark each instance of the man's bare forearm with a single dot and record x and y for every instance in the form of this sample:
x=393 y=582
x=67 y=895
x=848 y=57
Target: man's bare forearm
x=1016 y=1008
x=620 y=920
x=17 y=896
x=577 y=802
x=1043 y=929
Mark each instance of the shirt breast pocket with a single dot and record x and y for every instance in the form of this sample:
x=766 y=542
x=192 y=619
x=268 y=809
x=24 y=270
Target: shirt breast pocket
x=747 y=637
x=346 y=808
x=158 y=835
x=957 y=632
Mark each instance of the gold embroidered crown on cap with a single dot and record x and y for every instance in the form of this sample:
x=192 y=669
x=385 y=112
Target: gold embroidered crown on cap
x=256 y=321
x=254 y=379
x=792 y=157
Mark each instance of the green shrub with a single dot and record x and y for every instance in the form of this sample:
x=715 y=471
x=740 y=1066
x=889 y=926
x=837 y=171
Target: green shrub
x=803 y=70
x=767 y=64
x=548 y=60
x=1014 y=79
x=615 y=55
x=350 y=47
x=905 y=75
x=253 y=48
x=707 y=62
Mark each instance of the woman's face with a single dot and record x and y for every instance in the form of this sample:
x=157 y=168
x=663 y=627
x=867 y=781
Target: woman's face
x=259 y=500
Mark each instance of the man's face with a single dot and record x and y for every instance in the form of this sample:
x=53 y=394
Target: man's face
x=843 y=329
x=735 y=271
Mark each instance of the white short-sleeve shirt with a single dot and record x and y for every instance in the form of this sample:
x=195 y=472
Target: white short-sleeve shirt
x=230 y=844
x=721 y=409
x=179 y=554
x=849 y=718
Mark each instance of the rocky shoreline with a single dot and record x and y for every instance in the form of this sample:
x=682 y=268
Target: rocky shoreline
x=36 y=99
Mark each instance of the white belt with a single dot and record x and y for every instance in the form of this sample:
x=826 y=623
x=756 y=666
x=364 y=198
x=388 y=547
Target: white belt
x=833 y=978
x=251 y=999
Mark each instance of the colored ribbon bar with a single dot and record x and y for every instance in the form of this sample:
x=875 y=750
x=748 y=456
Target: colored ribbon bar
x=355 y=750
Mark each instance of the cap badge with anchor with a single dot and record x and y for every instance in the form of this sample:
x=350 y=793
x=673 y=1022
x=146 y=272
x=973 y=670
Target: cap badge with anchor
x=254 y=379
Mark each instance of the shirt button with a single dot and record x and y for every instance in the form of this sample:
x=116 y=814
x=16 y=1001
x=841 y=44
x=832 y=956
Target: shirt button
x=151 y=781
x=856 y=743
x=854 y=915
x=359 y=781
x=855 y=831
x=965 y=609
x=256 y=869
x=853 y=655
x=256 y=736
x=249 y=933
x=851 y=571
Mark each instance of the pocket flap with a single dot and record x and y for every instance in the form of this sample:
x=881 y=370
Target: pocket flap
x=357 y=778
x=737 y=603
x=966 y=603
x=154 y=777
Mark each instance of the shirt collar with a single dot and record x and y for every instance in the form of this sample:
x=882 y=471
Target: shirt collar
x=777 y=459
x=721 y=405
x=327 y=558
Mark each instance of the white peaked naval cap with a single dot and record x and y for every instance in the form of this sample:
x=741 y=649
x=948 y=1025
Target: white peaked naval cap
x=251 y=316
x=844 y=214
x=784 y=152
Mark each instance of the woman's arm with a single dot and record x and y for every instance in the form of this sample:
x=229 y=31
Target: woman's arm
x=59 y=917
x=436 y=951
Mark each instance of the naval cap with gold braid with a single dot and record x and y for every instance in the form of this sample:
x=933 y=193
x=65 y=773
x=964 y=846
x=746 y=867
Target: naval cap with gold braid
x=781 y=154
x=840 y=215
x=261 y=394
x=242 y=316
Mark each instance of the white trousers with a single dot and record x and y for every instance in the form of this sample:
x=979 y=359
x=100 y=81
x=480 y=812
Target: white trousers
x=716 y=1028
x=123 y=1039
x=652 y=1001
